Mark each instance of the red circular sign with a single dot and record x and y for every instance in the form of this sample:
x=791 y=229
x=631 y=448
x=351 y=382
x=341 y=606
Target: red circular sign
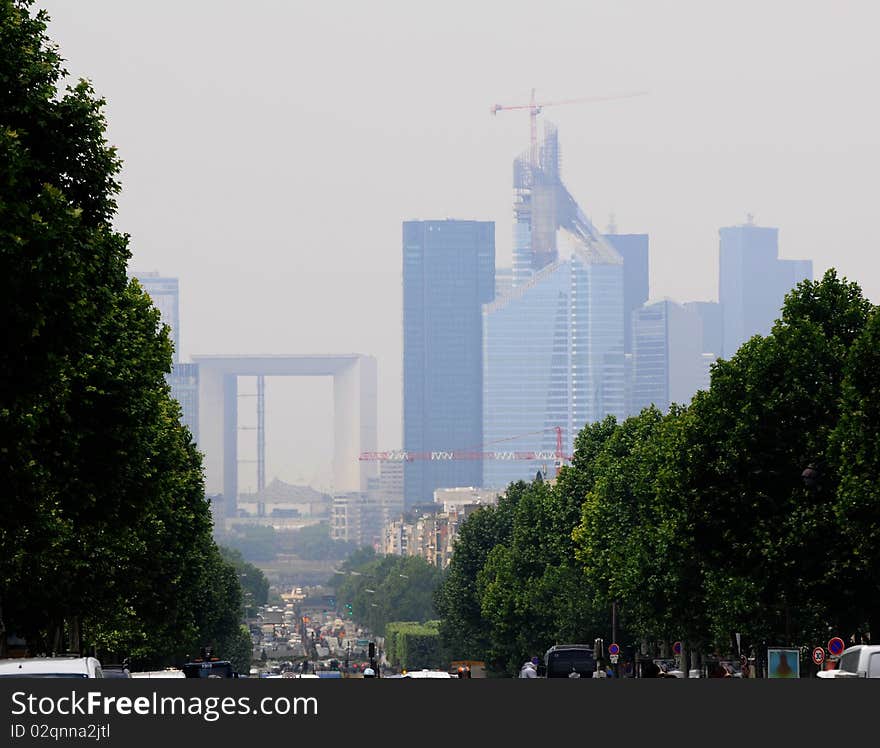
x=676 y=648
x=836 y=645
x=613 y=649
x=818 y=655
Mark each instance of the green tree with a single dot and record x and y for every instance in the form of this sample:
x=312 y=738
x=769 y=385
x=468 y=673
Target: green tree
x=106 y=531
x=855 y=450
x=457 y=600
x=759 y=533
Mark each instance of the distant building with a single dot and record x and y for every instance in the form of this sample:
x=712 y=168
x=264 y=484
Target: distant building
x=527 y=372
x=453 y=499
x=668 y=365
x=448 y=273
x=753 y=282
x=503 y=281
x=165 y=295
x=633 y=248
x=184 y=383
x=712 y=319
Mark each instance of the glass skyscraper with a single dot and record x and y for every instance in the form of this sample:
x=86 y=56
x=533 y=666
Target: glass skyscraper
x=752 y=282
x=553 y=357
x=526 y=373
x=448 y=273
x=668 y=362
x=165 y=295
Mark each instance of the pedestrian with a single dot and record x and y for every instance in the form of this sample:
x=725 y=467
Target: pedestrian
x=529 y=669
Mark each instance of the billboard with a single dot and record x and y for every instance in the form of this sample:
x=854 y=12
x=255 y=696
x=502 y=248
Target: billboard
x=783 y=663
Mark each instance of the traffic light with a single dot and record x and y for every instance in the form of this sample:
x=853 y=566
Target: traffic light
x=348 y=609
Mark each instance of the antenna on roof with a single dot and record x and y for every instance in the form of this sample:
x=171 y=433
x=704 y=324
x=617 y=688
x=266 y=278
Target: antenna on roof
x=611 y=228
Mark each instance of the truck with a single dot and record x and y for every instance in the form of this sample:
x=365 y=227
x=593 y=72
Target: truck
x=859 y=661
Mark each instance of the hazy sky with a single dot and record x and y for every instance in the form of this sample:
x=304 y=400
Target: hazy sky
x=272 y=149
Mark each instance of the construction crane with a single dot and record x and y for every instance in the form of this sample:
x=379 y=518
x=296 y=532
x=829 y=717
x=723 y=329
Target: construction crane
x=536 y=107
x=399 y=455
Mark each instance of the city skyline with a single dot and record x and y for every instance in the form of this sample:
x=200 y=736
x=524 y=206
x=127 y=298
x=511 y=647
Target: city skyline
x=313 y=118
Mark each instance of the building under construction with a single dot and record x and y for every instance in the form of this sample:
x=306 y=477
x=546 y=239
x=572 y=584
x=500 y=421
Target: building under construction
x=553 y=346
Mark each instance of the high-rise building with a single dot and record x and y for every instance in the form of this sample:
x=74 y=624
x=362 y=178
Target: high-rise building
x=598 y=379
x=184 y=382
x=753 y=282
x=448 y=273
x=712 y=319
x=527 y=372
x=633 y=248
x=553 y=358
x=165 y=294
x=668 y=363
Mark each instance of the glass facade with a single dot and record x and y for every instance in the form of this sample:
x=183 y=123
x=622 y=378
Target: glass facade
x=526 y=366
x=752 y=282
x=668 y=361
x=448 y=273
x=598 y=379
x=184 y=383
x=165 y=295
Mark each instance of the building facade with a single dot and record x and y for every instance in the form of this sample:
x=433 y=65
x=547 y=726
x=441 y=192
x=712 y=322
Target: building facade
x=668 y=363
x=448 y=273
x=184 y=383
x=165 y=294
x=753 y=281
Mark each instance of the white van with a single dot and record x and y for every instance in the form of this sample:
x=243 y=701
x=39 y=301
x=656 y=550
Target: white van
x=860 y=661
x=51 y=667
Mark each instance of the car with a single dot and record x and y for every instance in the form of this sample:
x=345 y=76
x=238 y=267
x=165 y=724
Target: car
x=116 y=671
x=425 y=673
x=561 y=660
x=167 y=673
x=859 y=661
x=51 y=667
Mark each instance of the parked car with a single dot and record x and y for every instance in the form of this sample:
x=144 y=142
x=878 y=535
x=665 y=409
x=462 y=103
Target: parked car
x=860 y=661
x=51 y=667
x=425 y=673
x=563 y=659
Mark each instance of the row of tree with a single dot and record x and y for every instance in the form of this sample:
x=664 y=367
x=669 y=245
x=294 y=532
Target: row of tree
x=755 y=510
x=105 y=538
x=376 y=589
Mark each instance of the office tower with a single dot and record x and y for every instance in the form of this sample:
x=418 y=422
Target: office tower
x=448 y=273
x=553 y=357
x=633 y=248
x=503 y=281
x=668 y=363
x=165 y=295
x=527 y=373
x=753 y=281
x=712 y=319
x=184 y=383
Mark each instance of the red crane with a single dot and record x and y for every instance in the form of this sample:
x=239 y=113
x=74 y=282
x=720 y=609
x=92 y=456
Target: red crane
x=399 y=455
x=536 y=107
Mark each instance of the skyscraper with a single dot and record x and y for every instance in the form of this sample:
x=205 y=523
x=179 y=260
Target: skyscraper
x=710 y=314
x=752 y=281
x=633 y=248
x=668 y=363
x=164 y=292
x=448 y=273
x=527 y=372
x=165 y=295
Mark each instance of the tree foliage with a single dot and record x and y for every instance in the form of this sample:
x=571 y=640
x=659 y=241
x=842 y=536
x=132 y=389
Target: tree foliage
x=105 y=539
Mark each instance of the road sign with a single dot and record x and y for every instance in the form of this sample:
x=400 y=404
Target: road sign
x=836 y=645
x=676 y=648
x=613 y=649
x=614 y=659
x=818 y=655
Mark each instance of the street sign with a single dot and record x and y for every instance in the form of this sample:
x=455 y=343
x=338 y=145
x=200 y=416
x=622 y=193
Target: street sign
x=836 y=645
x=613 y=649
x=614 y=659
x=676 y=648
x=818 y=655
